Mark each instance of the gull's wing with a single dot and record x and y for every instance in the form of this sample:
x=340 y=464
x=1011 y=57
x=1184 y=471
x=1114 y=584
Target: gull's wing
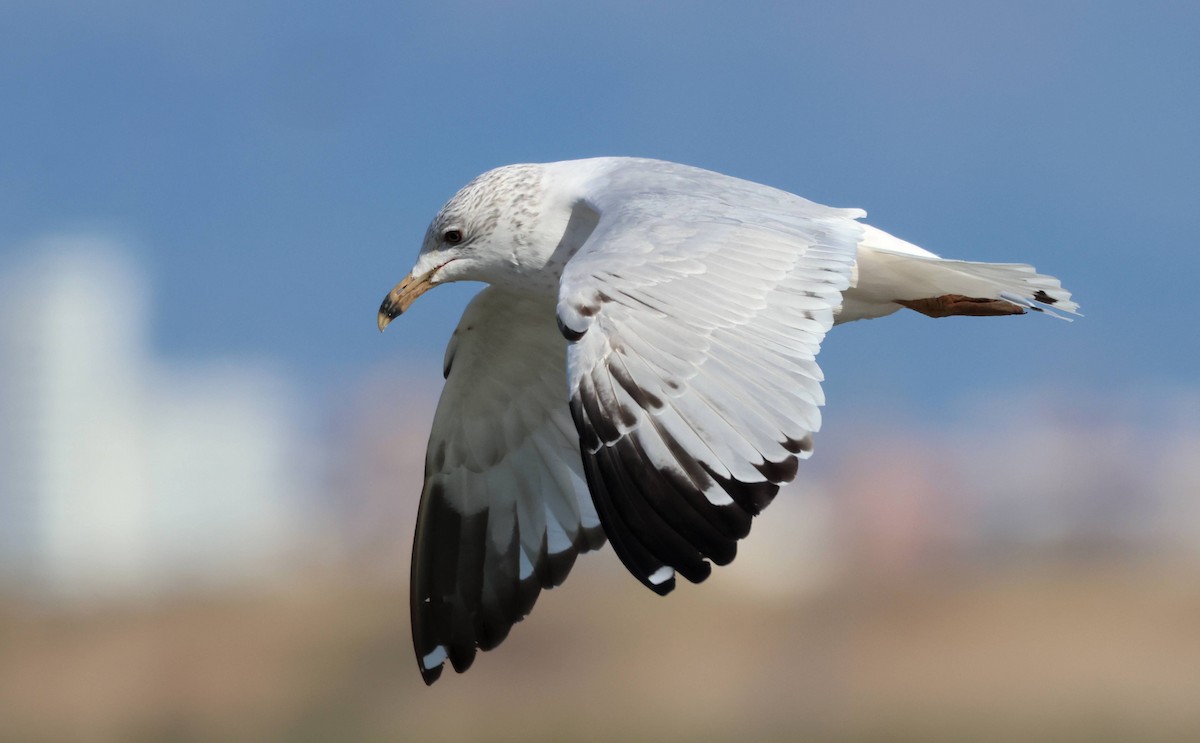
x=695 y=309
x=505 y=508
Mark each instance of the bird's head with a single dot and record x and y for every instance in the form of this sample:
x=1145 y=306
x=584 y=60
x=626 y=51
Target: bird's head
x=488 y=232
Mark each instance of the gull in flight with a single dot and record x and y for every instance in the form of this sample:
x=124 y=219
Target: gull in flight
x=642 y=368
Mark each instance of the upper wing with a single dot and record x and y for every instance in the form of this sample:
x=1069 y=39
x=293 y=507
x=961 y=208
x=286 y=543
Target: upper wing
x=696 y=309
x=505 y=508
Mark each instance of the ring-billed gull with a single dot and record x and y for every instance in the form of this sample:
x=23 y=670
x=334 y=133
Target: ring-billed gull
x=641 y=367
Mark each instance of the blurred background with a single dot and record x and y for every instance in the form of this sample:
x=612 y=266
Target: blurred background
x=210 y=459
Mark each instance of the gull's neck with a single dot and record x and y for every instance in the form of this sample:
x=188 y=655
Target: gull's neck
x=546 y=221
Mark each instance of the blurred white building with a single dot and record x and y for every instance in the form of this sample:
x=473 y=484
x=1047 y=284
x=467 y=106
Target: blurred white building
x=120 y=476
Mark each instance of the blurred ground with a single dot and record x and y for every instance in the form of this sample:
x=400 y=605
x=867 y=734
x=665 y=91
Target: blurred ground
x=1066 y=649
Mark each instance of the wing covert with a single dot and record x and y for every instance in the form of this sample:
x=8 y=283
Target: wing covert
x=695 y=316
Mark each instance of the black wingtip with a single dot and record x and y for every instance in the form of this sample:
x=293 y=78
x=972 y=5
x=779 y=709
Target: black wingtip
x=462 y=656
x=429 y=675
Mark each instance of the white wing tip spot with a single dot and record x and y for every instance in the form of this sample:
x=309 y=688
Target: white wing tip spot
x=662 y=575
x=717 y=496
x=435 y=658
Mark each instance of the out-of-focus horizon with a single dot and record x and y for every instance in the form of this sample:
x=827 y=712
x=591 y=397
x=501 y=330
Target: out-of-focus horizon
x=209 y=460
x=152 y=514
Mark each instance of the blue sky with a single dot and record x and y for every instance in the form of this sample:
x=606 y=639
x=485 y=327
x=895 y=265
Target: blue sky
x=274 y=164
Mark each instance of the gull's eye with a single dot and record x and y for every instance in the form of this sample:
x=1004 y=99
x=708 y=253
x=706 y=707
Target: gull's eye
x=452 y=237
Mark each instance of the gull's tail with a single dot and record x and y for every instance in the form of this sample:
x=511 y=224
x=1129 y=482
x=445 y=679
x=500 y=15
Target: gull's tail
x=893 y=273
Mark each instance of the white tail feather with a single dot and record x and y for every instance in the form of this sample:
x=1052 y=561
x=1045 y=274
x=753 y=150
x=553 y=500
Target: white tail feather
x=891 y=270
